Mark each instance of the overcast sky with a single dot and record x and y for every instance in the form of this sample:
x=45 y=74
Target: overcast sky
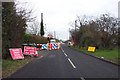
x=58 y=14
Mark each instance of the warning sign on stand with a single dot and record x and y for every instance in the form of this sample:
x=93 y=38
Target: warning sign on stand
x=92 y=49
x=29 y=50
x=16 y=53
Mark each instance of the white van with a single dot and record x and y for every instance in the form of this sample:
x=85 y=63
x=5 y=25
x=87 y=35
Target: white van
x=52 y=41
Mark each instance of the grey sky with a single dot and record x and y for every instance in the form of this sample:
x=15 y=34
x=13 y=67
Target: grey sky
x=59 y=13
x=119 y=9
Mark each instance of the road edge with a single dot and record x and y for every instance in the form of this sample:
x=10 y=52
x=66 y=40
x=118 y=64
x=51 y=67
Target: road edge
x=97 y=57
x=20 y=68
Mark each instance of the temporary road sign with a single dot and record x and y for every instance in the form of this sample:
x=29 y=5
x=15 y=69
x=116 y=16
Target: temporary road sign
x=92 y=49
x=16 y=53
x=29 y=50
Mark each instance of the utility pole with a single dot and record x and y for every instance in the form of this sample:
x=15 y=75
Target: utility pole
x=74 y=38
x=69 y=33
x=75 y=25
x=41 y=17
x=42 y=26
x=119 y=9
x=54 y=34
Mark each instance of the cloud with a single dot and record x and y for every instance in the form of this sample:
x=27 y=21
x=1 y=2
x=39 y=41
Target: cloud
x=59 y=13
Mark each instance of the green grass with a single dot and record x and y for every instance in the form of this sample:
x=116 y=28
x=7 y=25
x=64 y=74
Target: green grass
x=10 y=66
x=108 y=54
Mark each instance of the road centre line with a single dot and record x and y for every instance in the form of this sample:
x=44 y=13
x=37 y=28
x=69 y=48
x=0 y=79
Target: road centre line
x=71 y=63
x=82 y=78
x=69 y=59
x=62 y=50
x=65 y=54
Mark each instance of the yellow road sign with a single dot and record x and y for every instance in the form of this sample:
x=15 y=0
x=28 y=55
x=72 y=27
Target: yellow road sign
x=91 y=49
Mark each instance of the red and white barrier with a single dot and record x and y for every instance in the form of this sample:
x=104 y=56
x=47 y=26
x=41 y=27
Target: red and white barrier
x=38 y=46
x=30 y=51
x=16 y=53
x=58 y=45
x=49 y=46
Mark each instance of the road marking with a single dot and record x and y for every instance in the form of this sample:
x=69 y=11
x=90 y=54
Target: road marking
x=71 y=63
x=65 y=54
x=63 y=51
x=82 y=78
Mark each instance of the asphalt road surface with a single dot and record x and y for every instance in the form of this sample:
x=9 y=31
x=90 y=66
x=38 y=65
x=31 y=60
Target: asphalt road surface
x=66 y=63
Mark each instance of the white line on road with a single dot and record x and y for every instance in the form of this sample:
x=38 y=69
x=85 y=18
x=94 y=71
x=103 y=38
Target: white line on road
x=62 y=50
x=82 y=78
x=71 y=63
x=65 y=54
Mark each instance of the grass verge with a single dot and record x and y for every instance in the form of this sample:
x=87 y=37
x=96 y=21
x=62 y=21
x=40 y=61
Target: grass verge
x=10 y=66
x=111 y=55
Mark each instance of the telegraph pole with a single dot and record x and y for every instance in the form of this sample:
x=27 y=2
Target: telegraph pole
x=75 y=25
x=41 y=17
x=54 y=34
x=74 y=39
x=119 y=9
x=69 y=33
x=42 y=26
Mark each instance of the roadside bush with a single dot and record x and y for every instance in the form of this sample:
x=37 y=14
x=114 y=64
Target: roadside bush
x=29 y=38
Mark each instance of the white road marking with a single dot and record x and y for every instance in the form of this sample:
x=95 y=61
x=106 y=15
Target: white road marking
x=82 y=78
x=62 y=50
x=71 y=63
x=65 y=54
x=68 y=59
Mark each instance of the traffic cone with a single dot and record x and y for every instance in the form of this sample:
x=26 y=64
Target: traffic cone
x=50 y=46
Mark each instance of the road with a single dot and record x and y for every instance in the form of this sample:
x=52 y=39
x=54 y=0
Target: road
x=66 y=63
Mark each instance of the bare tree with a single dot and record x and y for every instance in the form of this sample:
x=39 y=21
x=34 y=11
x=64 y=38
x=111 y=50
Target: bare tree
x=33 y=28
x=101 y=32
x=14 y=25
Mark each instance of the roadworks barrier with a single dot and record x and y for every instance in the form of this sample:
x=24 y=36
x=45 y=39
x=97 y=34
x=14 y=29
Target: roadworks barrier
x=48 y=46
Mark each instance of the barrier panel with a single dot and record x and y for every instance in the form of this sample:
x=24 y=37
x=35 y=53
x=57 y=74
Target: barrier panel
x=30 y=51
x=44 y=46
x=38 y=46
x=16 y=53
x=49 y=46
x=54 y=46
x=59 y=45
